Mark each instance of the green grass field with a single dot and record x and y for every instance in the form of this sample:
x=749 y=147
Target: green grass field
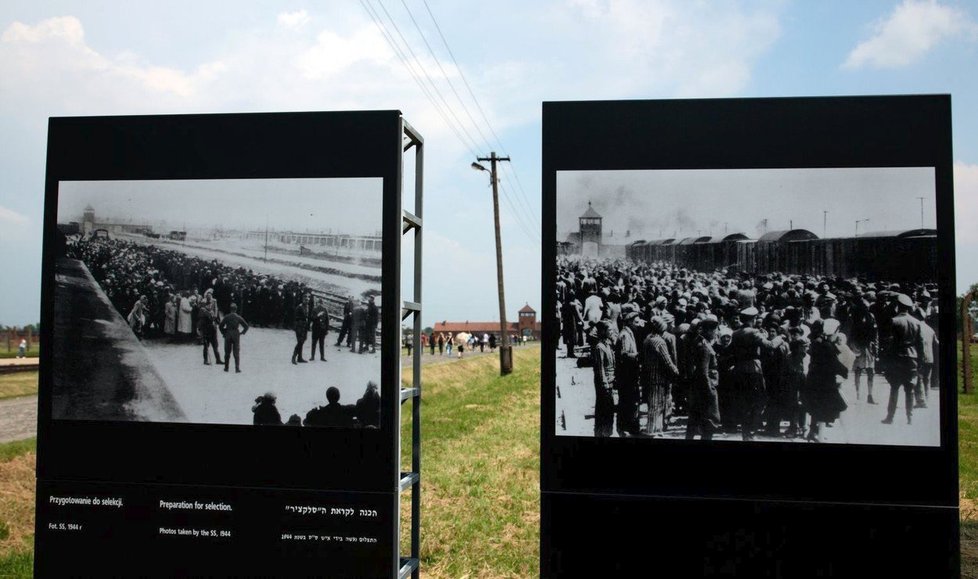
x=480 y=501
x=32 y=352
x=481 y=463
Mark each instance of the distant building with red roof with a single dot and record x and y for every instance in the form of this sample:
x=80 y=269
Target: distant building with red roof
x=526 y=324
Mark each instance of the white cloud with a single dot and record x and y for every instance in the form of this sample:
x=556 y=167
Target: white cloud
x=965 y=216
x=965 y=202
x=665 y=47
x=11 y=217
x=294 y=20
x=51 y=56
x=67 y=28
x=907 y=34
x=333 y=53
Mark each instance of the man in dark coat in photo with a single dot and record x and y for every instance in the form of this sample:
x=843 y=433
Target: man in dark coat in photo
x=265 y=410
x=704 y=412
x=368 y=407
x=301 y=327
x=346 y=330
x=907 y=344
x=320 y=328
x=232 y=328
x=333 y=414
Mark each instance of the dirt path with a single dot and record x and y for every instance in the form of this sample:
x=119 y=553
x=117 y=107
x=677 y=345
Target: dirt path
x=18 y=418
x=427 y=359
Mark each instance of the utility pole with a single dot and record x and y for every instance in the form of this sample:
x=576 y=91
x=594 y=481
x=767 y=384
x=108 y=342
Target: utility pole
x=266 y=238
x=505 y=349
x=921 y=212
x=825 y=221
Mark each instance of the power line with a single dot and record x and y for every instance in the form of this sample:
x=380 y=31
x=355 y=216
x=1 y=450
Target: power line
x=425 y=72
x=460 y=73
x=526 y=204
x=407 y=64
x=445 y=75
x=482 y=112
x=527 y=230
x=524 y=219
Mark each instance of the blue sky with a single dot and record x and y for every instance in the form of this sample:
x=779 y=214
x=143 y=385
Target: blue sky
x=110 y=57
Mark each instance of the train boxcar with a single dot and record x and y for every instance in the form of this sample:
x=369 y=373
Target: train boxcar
x=904 y=255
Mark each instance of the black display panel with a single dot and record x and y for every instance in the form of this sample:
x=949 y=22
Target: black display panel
x=187 y=258
x=780 y=242
x=686 y=538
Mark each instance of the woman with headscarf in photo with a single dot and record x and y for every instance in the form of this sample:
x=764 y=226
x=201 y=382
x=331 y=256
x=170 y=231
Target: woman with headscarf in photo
x=137 y=317
x=826 y=371
x=170 y=316
x=184 y=319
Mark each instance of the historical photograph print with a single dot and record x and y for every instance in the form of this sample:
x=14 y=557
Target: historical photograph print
x=239 y=301
x=776 y=305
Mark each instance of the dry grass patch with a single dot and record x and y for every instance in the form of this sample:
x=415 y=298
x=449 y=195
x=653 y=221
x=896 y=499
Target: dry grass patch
x=17 y=504
x=18 y=384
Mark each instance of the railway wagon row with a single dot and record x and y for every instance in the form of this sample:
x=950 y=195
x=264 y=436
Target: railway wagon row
x=889 y=255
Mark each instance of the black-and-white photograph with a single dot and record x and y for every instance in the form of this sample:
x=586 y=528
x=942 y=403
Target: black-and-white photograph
x=238 y=301
x=770 y=305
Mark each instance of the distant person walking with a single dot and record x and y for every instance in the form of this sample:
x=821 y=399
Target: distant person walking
x=22 y=349
x=441 y=344
x=233 y=327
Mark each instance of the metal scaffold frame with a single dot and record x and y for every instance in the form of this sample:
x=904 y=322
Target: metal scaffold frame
x=411 y=222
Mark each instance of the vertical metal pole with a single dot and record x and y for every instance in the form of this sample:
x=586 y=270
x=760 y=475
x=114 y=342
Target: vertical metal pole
x=966 y=342
x=505 y=349
x=416 y=370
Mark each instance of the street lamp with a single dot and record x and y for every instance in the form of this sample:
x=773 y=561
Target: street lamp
x=505 y=350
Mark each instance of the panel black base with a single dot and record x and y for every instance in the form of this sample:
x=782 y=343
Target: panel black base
x=103 y=530
x=608 y=536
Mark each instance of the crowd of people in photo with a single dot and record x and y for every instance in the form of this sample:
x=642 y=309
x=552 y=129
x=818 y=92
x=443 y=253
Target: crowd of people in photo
x=168 y=295
x=461 y=342
x=365 y=413
x=165 y=288
x=755 y=354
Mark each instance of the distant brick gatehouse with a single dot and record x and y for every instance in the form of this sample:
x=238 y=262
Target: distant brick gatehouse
x=526 y=325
